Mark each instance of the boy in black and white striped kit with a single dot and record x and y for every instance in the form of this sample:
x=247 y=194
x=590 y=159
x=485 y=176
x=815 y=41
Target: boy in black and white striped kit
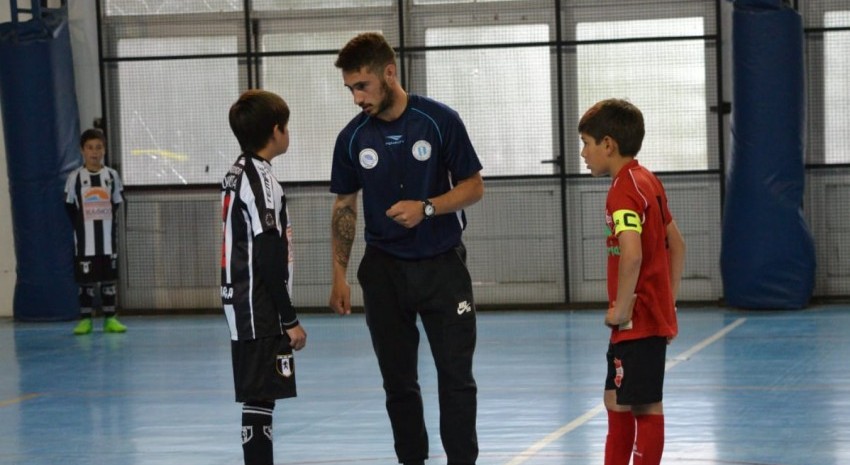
x=92 y=197
x=256 y=267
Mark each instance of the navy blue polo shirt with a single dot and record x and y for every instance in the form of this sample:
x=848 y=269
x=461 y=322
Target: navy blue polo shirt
x=420 y=155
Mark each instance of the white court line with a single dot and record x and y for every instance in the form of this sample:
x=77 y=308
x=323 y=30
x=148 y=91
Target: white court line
x=587 y=416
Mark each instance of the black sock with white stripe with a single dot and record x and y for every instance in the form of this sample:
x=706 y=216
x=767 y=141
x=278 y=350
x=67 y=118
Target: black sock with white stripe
x=86 y=300
x=257 y=433
x=107 y=299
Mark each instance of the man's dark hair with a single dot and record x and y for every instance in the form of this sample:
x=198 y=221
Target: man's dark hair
x=367 y=49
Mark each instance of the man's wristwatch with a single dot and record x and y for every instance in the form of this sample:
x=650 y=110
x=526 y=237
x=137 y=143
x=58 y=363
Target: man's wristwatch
x=428 y=209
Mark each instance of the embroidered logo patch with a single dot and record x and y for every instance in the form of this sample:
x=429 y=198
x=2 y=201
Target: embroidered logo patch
x=247 y=434
x=368 y=158
x=618 y=370
x=421 y=150
x=394 y=140
x=285 y=365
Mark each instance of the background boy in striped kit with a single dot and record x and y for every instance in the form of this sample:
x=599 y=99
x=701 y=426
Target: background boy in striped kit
x=92 y=198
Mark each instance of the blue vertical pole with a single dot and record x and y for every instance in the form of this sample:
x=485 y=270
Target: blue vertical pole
x=767 y=255
x=42 y=128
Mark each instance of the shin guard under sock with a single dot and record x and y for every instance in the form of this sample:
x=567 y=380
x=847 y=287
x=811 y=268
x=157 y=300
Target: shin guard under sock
x=621 y=438
x=257 y=433
x=649 y=444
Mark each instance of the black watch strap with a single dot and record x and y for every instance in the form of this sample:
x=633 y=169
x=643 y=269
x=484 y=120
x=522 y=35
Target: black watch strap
x=428 y=209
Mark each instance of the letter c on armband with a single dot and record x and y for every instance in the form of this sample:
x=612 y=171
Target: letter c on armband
x=626 y=220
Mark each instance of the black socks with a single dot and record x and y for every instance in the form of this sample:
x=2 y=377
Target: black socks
x=257 y=433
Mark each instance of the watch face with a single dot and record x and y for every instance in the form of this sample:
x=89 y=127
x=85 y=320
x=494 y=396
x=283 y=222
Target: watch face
x=429 y=210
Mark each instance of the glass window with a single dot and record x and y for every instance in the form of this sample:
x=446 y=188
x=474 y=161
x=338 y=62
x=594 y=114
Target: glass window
x=173 y=113
x=280 y=5
x=443 y=2
x=320 y=105
x=837 y=91
x=169 y=7
x=666 y=80
x=503 y=95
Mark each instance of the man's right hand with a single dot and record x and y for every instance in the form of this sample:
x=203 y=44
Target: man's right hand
x=340 y=301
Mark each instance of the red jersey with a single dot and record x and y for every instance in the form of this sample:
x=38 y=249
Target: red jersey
x=637 y=202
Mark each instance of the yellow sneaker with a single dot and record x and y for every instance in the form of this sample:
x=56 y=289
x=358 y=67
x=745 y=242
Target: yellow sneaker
x=112 y=325
x=83 y=327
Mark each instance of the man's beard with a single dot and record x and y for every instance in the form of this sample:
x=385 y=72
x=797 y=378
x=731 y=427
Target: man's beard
x=385 y=102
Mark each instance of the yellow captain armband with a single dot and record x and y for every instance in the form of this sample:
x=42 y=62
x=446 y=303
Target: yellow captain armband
x=626 y=220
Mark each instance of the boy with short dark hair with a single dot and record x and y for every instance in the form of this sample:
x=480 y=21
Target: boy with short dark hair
x=646 y=254
x=92 y=197
x=255 y=270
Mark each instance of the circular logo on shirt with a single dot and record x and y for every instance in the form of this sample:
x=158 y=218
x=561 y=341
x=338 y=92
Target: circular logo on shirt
x=422 y=150
x=368 y=158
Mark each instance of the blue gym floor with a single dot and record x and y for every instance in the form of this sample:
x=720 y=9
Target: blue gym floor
x=749 y=388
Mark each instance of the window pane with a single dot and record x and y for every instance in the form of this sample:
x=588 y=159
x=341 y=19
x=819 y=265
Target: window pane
x=675 y=112
x=320 y=105
x=504 y=96
x=837 y=90
x=173 y=113
x=168 y=7
x=280 y=5
x=443 y=2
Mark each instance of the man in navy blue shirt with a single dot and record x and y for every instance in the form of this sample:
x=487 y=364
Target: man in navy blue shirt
x=412 y=158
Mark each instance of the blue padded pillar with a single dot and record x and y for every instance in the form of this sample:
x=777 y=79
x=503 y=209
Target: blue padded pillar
x=767 y=255
x=42 y=130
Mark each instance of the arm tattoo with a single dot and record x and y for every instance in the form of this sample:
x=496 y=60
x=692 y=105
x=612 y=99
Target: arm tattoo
x=342 y=230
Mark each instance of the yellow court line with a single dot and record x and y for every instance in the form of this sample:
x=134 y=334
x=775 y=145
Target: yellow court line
x=587 y=416
x=17 y=400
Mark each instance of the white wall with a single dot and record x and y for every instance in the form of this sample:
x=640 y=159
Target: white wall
x=82 y=19
x=83 y=28
x=7 y=247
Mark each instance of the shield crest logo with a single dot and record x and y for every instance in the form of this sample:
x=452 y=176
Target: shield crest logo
x=285 y=365
x=618 y=370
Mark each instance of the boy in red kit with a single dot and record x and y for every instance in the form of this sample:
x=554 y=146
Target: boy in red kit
x=646 y=255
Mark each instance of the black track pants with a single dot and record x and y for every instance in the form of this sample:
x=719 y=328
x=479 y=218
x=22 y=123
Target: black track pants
x=439 y=289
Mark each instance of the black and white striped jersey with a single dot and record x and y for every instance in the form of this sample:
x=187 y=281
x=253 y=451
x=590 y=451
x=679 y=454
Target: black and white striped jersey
x=256 y=229
x=92 y=200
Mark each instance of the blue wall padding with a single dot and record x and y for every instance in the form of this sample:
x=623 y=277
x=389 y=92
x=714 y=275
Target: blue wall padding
x=42 y=128
x=767 y=255
x=757 y=5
